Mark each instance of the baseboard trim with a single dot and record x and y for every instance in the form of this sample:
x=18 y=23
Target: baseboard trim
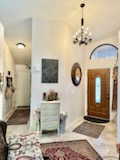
x=22 y=106
x=74 y=124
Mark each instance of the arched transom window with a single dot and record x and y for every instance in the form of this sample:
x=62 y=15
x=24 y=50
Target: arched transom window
x=104 y=51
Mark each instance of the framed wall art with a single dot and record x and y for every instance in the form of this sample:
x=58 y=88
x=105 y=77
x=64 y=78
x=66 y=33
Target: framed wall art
x=49 y=71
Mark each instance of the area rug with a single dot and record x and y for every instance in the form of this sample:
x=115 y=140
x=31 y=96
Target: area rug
x=89 y=129
x=29 y=150
x=20 y=116
x=70 y=150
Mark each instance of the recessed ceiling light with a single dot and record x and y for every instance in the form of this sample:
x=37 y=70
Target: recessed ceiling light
x=20 y=45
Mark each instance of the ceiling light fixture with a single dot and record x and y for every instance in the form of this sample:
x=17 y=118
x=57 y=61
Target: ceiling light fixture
x=20 y=45
x=83 y=36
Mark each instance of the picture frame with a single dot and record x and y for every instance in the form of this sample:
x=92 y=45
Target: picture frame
x=49 y=70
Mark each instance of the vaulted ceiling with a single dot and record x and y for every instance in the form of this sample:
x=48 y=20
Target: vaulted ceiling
x=102 y=17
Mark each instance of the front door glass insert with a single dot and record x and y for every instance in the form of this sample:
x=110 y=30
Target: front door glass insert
x=98 y=90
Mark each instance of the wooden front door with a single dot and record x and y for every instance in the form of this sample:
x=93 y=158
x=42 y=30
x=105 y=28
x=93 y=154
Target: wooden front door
x=99 y=93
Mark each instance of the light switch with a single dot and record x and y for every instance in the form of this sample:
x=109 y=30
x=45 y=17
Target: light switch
x=36 y=68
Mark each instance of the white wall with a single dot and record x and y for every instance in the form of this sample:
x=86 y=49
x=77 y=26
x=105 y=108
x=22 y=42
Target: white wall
x=22 y=85
x=118 y=108
x=1 y=66
x=100 y=63
x=6 y=64
x=9 y=65
x=53 y=40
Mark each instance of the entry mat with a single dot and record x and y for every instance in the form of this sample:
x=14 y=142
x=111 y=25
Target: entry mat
x=89 y=129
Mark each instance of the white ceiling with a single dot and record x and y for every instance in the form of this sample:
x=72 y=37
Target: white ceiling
x=102 y=17
x=20 y=31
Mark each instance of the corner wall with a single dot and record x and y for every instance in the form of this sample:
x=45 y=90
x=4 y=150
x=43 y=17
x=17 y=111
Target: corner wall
x=118 y=103
x=6 y=64
x=1 y=66
x=53 y=40
x=9 y=65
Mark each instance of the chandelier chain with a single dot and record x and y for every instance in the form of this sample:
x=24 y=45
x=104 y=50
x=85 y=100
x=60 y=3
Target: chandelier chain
x=83 y=36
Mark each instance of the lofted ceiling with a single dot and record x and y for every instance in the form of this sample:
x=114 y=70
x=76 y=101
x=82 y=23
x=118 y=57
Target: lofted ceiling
x=101 y=16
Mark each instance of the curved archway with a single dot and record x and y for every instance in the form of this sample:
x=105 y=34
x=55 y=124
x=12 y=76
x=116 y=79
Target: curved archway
x=104 y=51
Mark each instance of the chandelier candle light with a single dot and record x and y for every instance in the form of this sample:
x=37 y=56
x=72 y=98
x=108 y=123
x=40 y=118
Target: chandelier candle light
x=83 y=36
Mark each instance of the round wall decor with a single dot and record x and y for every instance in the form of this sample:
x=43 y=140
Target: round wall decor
x=76 y=74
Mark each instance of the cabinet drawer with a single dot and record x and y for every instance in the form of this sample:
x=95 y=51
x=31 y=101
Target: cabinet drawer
x=50 y=106
x=51 y=113
x=49 y=126
x=49 y=119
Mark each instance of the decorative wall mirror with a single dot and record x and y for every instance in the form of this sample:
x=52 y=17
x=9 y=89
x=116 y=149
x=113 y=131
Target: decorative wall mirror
x=76 y=74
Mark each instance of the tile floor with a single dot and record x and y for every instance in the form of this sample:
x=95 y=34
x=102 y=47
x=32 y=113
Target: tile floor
x=105 y=145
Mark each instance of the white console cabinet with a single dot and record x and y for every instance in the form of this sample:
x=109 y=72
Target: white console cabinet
x=50 y=115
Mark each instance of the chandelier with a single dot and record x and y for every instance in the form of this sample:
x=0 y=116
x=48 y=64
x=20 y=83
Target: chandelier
x=83 y=36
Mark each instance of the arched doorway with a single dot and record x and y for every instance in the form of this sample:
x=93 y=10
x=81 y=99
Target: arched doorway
x=102 y=82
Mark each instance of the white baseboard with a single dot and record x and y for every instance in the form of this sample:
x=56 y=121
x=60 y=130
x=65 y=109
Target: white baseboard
x=74 y=124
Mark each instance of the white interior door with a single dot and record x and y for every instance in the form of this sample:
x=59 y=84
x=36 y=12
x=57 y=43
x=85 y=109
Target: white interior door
x=23 y=87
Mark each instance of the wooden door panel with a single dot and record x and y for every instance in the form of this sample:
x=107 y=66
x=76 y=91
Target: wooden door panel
x=99 y=109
